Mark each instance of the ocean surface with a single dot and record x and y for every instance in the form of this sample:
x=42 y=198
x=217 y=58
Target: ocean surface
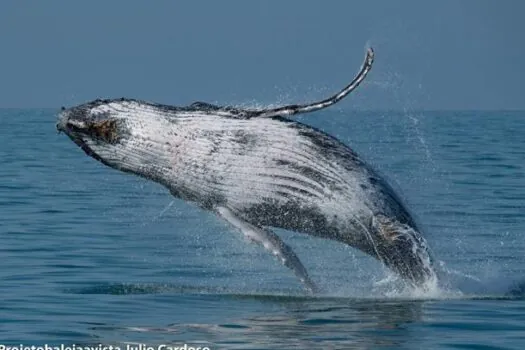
x=92 y=256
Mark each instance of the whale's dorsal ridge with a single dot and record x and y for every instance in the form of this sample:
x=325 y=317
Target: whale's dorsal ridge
x=205 y=106
x=223 y=111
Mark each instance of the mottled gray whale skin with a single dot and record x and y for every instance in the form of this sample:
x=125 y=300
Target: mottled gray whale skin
x=258 y=169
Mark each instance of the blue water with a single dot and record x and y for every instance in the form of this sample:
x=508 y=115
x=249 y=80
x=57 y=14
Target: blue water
x=90 y=255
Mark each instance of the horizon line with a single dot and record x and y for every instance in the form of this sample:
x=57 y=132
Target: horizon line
x=347 y=109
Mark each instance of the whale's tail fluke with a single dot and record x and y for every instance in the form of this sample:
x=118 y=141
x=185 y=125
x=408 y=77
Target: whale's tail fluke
x=401 y=248
x=315 y=106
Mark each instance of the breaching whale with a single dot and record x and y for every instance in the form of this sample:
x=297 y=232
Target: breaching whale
x=258 y=169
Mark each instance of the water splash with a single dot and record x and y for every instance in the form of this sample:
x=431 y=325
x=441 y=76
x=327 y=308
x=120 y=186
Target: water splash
x=163 y=211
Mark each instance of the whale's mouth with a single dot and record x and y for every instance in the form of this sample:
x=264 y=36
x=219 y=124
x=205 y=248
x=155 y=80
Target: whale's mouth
x=87 y=131
x=77 y=131
x=80 y=142
x=83 y=145
x=105 y=130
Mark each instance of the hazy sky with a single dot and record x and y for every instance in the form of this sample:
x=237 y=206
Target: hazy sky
x=429 y=54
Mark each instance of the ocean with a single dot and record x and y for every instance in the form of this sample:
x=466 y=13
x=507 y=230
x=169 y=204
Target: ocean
x=94 y=257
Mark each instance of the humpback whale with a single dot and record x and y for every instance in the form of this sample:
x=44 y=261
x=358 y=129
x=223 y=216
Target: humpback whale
x=259 y=169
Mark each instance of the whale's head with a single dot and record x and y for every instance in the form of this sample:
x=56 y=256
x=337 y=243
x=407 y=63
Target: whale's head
x=127 y=135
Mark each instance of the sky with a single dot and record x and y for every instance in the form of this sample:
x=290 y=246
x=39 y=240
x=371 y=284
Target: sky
x=433 y=55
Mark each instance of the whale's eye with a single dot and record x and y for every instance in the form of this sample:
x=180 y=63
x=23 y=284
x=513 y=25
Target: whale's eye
x=105 y=131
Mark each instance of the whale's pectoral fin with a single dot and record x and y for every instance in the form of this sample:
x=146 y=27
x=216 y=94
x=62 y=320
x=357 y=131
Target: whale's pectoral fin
x=311 y=107
x=271 y=242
